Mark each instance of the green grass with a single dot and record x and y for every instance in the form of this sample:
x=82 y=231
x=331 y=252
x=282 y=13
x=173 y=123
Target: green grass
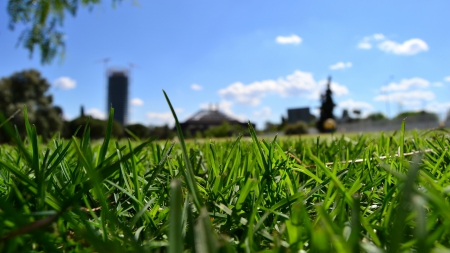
x=357 y=193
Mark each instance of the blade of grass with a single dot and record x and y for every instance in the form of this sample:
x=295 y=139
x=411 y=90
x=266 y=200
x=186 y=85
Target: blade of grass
x=190 y=176
x=402 y=209
x=104 y=148
x=175 y=234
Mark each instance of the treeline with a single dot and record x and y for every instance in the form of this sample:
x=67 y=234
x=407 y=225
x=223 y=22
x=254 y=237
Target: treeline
x=98 y=129
x=28 y=88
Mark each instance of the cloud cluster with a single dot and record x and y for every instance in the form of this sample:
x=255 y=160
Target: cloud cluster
x=415 y=94
x=297 y=84
x=406 y=84
x=65 y=83
x=263 y=114
x=225 y=107
x=412 y=98
x=410 y=92
x=163 y=118
x=367 y=41
x=337 y=89
x=136 y=102
x=439 y=108
x=408 y=47
x=196 y=87
x=351 y=105
x=96 y=113
x=341 y=65
x=292 y=39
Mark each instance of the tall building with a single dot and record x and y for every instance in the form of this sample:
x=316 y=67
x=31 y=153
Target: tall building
x=299 y=114
x=118 y=94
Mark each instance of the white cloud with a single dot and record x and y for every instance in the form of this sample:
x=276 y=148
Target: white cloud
x=407 y=84
x=366 y=42
x=337 y=89
x=442 y=109
x=364 y=45
x=438 y=107
x=160 y=118
x=136 y=102
x=163 y=118
x=65 y=83
x=196 y=87
x=96 y=113
x=315 y=111
x=413 y=92
x=297 y=84
x=408 y=47
x=407 y=98
x=341 y=65
x=351 y=105
x=447 y=79
x=225 y=107
x=378 y=36
x=293 y=39
x=67 y=116
x=263 y=114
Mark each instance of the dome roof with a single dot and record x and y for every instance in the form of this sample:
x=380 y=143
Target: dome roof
x=210 y=116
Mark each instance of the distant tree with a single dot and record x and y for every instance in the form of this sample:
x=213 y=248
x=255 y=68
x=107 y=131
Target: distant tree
x=284 y=122
x=225 y=130
x=298 y=128
x=29 y=88
x=42 y=20
x=411 y=113
x=326 y=108
x=198 y=135
x=313 y=120
x=376 y=116
x=345 y=116
x=162 y=132
x=271 y=127
x=97 y=128
x=139 y=130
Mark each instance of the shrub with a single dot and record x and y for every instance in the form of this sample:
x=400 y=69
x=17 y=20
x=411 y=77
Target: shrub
x=97 y=128
x=419 y=113
x=376 y=116
x=139 y=130
x=225 y=130
x=298 y=128
x=162 y=132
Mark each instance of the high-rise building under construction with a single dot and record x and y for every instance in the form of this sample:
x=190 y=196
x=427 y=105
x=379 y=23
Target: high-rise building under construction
x=118 y=94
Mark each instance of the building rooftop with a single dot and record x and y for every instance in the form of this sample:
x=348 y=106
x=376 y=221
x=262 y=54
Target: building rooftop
x=209 y=116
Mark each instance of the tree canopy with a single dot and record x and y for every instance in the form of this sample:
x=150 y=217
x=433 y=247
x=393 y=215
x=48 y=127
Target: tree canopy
x=326 y=107
x=29 y=88
x=43 y=20
x=376 y=116
x=403 y=115
x=97 y=127
x=138 y=130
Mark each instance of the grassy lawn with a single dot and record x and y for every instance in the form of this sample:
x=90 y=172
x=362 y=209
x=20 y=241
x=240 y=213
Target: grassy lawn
x=380 y=192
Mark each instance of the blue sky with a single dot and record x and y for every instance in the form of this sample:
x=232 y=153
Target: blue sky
x=255 y=59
